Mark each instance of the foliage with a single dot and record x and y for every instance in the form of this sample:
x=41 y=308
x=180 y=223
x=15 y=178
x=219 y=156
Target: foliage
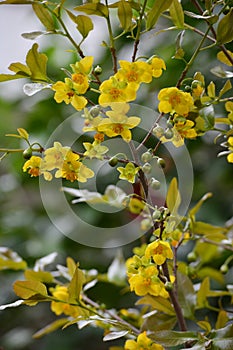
x=180 y=303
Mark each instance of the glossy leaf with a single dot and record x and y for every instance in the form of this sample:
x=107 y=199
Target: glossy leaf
x=37 y=63
x=186 y=295
x=26 y=289
x=173 y=338
x=158 y=322
x=206 y=18
x=44 y=16
x=84 y=25
x=225 y=28
x=50 y=328
x=205 y=120
x=76 y=285
x=177 y=14
x=115 y=335
x=125 y=14
x=173 y=198
x=158 y=8
x=223 y=338
x=97 y=9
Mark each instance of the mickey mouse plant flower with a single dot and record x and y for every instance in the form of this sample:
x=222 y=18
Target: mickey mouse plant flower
x=128 y=172
x=174 y=100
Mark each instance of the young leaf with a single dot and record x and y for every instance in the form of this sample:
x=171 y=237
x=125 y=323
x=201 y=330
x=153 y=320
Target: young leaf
x=222 y=319
x=11 y=260
x=202 y=293
x=197 y=207
x=23 y=133
x=115 y=335
x=26 y=289
x=19 y=68
x=97 y=9
x=153 y=15
x=34 y=35
x=225 y=28
x=172 y=338
x=177 y=14
x=221 y=73
x=44 y=16
x=37 y=63
x=157 y=303
x=41 y=276
x=186 y=295
x=227 y=86
x=125 y=14
x=173 y=199
x=50 y=328
x=84 y=25
x=211 y=90
x=76 y=285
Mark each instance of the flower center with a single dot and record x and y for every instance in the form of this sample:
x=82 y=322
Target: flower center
x=115 y=93
x=132 y=76
x=78 y=78
x=158 y=250
x=118 y=129
x=174 y=100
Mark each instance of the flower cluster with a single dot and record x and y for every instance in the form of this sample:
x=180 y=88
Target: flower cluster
x=63 y=160
x=142 y=343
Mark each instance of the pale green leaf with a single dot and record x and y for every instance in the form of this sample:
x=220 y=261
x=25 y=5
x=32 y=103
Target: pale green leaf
x=222 y=319
x=205 y=325
x=26 y=289
x=227 y=86
x=41 y=276
x=50 y=328
x=173 y=338
x=220 y=73
x=173 y=198
x=203 y=228
x=212 y=273
x=157 y=303
x=76 y=285
x=97 y=9
x=19 y=68
x=11 y=260
x=84 y=25
x=7 y=77
x=158 y=8
x=34 y=35
x=211 y=90
x=177 y=14
x=23 y=133
x=186 y=295
x=44 y=16
x=125 y=14
x=225 y=28
x=37 y=63
x=31 y=89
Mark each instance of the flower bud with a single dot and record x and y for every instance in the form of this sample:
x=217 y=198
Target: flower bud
x=27 y=153
x=192 y=256
x=161 y=162
x=158 y=131
x=146 y=157
x=98 y=70
x=94 y=111
x=146 y=168
x=156 y=215
x=168 y=286
x=113 y=161
x=155 y=184
x=224 y=268
x=168 y=134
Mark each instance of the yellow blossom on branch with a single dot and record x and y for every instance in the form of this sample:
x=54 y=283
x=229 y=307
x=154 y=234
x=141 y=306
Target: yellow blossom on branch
x=183 y=129
x=113 y=90
x=134 y=73
x=174 y=100
x=36 y=166
x=142 y=343
x=230 y=146
x=128 y=173
x=54 y=156
x=62 y=306
x=157 y=66
x=84 y=66
x=118 y=123
x=160 y=251
x=94 y=150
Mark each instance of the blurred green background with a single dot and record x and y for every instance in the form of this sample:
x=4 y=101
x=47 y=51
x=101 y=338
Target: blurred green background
x=24 y=224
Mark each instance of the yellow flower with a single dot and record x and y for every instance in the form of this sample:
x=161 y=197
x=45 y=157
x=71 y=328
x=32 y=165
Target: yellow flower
x=230 y=146
x=95 y=149
x=84 y=66
x=35 y=166
x=92 y=124
x=65 y=91
x=113 y=90
x=80 y=83
x=62 y=306
x=159 y=251
x=128 y=173
x=135 y=205
x=134 y=73
x=73 y=170
x=183 y=129
x=118 y=123
x=157 y=65
x=229 y=108
x=142 y=343
x=54 y=156
x=174 y=100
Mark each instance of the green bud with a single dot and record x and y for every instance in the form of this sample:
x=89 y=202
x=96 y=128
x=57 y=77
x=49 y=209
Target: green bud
x=158 y=131
x=195 y=84
x=156 y=215
x=192 y=256
x=187 y=88
x=169 y=125
x=168 y=286
x=146 y=168
x=161 y=162
x=27 y=153
x=146 y=157
x=224 y=268
x=113 y=161
x=94 y=111
x=192 y=271
x=155 y=184
x=146 y=224
x=98 y=70
x=168 y=134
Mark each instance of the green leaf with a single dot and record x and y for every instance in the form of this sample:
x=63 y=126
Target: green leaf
x=212 y=18
x=202 y=293
x=37 y=63
x=177 y=14
x=76 y=285
x=97 y=9
x=222 y=319
x=125 y=14
x=23 y=133
x=212 y=273
x=26 y=289
x=158 y=303
x=84 y=25
x=220 y=73
x=34 y=35
x=227 y=86
x=19 y=68
x=41 y=276
x=17 y=2
x=205 y=251
x=225 y=28
x=203 y=228
x=186 y=295
x=44 y=16
x=158 y=321
x=173 y=198
x=179 y=54
x=205 y=120
x=223 y=338
x=173 y=338
x=158 y=8
x=197 y=207
x=51 y=328
x=211 y=90
x=11 y=260
x=7 y=77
